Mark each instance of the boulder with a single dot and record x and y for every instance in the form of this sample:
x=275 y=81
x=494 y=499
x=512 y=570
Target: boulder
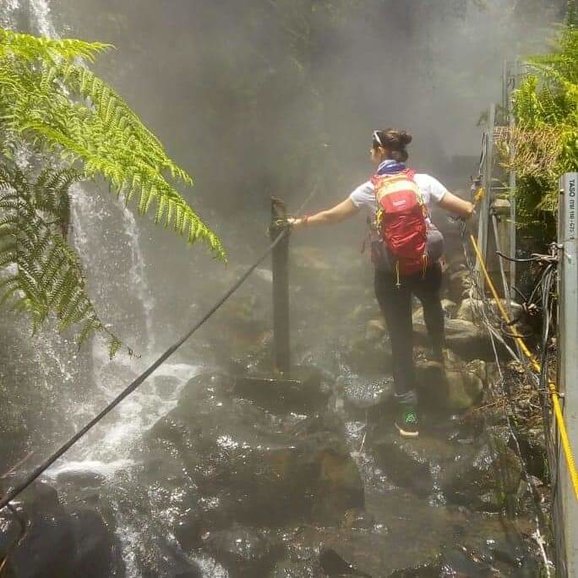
x=298 y=391
x=484 y=476
x=452 y=389
x=458 y=284
x=364 y=355
x=57 y=541
x=362 y=393
x=405 y=463
x=463 y=337
x=449 y=308
x=244 y=551
x=246 y=465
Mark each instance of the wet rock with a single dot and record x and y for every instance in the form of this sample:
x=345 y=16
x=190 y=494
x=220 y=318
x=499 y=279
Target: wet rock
x=449 y=308
x=470 y=308
x=165 y=385
x=418 y=541
x=46 y=548
x=493 y=375
x=165 y=559
x=458 y=284
x=80 y=479
x=404 y=462
x=512 y=556
x=97 y=551
x=361 y=393
x=367 y=356
x=430 y=569
x=462 y=337
x=533 y=447
x=297 y=569
x=375 y=329
x=241 y=334
x=58 y=542
x=313 y=553
x=479 y=368
x=299 y=391
x=358 y=518
x=256 y=468
x=244 y=551
x=449 y=388
x=333 y=564
x=485 y=476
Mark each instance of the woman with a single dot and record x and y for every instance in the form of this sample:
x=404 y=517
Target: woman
x=388 y=152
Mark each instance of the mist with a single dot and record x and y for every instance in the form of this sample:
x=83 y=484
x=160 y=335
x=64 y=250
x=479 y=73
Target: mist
x=266 y=98
x=262 y=98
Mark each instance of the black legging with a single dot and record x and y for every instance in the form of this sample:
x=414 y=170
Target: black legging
x=395 y=304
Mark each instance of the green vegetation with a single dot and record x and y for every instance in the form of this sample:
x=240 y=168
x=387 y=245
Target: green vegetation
x=60 y=124
x=544 y=144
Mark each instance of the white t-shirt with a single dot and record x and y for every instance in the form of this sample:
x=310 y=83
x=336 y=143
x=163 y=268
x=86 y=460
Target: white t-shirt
x=431 y=189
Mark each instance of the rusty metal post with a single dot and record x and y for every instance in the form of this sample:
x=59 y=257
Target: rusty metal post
x=280 y=260
x=565 y=504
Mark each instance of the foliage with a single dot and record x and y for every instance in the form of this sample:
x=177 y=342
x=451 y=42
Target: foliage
x=41 y=272
x=52 y=104
x=544 y=144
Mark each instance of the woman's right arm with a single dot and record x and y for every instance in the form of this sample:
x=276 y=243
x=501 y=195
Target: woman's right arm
x=454 y=204
x=338 y=213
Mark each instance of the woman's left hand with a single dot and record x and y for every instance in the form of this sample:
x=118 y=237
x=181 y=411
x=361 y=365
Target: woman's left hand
x=296 y=222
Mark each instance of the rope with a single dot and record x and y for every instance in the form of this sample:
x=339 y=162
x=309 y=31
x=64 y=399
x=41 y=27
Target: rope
x=11 y=494
x=554 y=395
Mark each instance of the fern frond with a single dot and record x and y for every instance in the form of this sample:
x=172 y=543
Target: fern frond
x=49 y=99
x=40 y=272
x=27 y=47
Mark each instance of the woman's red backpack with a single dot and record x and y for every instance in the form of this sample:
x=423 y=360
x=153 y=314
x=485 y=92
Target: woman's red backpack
x=401 y=221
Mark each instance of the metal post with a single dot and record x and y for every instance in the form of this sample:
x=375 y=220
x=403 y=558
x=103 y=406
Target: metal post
x=499 y=211
x=280 y=257
x=567 y=366
x=484 y=219
x=512 y=82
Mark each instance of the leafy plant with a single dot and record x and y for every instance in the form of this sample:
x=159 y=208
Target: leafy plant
x=544 y=144
x=55 y=109
x=41 y=272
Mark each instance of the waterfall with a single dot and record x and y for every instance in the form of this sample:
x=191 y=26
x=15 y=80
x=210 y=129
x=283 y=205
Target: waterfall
x=40 y=15
x=105 y=234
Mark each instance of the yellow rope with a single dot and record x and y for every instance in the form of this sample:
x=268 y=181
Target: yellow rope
x=551 y=386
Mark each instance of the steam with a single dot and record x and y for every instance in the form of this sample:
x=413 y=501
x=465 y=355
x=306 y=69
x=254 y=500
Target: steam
x=262 y=96
x=279 y=97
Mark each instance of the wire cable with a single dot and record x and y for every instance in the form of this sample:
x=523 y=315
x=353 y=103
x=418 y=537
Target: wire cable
x=498 y=336
x=11 y=494
x=554 y=394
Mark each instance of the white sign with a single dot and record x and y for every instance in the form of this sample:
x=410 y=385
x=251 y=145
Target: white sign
x=570 y=200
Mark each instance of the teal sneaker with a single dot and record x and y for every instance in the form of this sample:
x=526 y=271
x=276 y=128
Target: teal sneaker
x=407 y=422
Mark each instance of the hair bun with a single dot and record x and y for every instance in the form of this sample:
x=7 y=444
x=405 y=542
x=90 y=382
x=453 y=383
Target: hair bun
x=405 y=138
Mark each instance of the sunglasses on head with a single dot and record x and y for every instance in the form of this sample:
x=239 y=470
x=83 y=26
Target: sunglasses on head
x=377 y=139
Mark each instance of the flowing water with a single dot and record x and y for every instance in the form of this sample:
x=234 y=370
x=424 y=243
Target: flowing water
x=107 y=450
x=229 y=440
